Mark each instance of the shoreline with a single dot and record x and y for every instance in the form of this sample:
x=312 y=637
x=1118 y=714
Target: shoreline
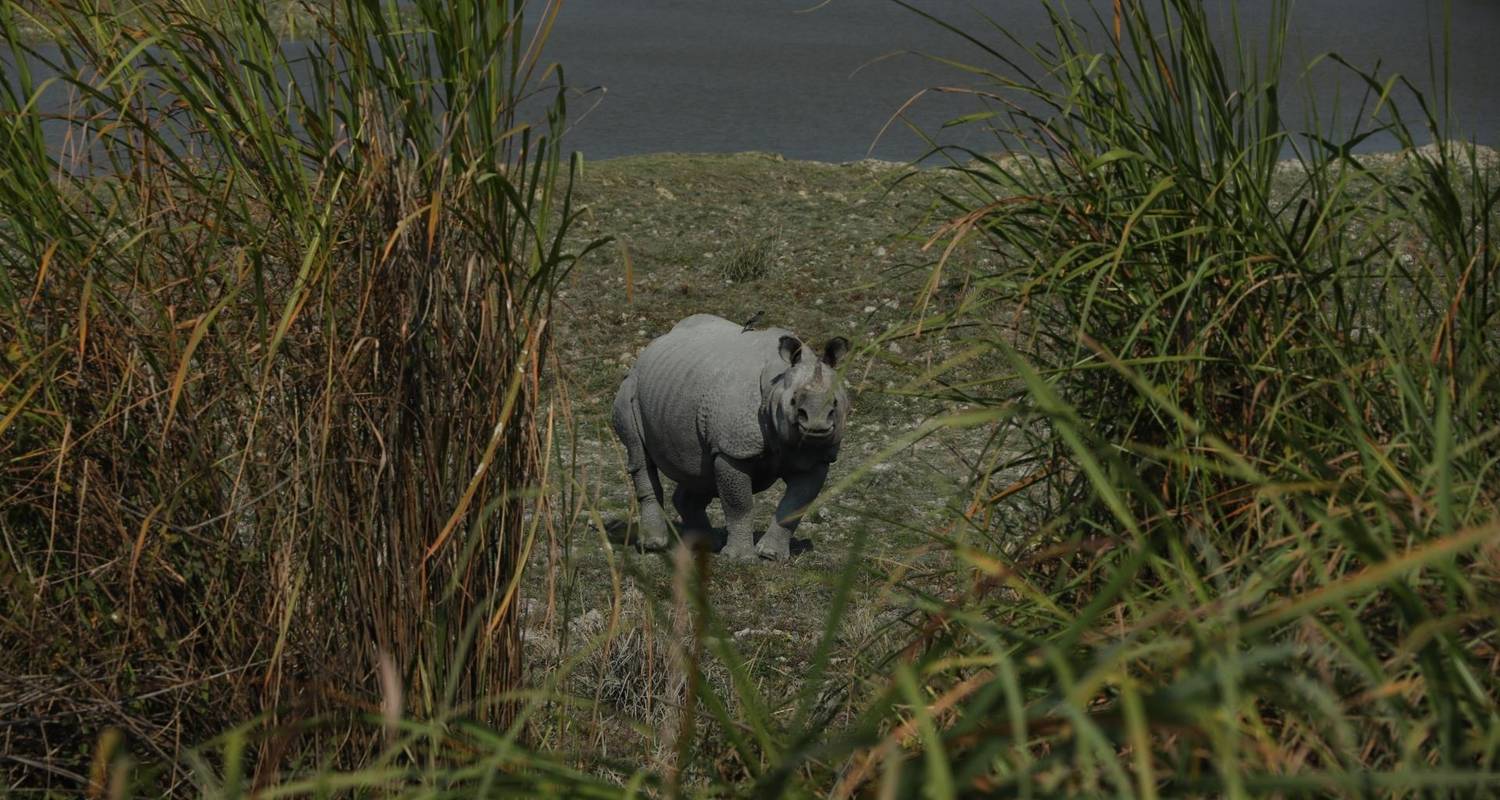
x=1486 y=157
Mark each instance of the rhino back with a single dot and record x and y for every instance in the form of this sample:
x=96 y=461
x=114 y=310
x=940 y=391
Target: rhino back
x=698 y=389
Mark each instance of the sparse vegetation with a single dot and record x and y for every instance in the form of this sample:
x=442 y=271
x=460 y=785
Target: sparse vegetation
x=1171 y=470
x=751 y=258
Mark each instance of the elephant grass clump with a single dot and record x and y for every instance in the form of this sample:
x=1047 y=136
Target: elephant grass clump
x=272 y=433
x=1246 y=399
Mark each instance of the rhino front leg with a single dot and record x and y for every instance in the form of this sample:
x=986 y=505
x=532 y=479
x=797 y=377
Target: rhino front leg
x=801 y=489
x=737 y=497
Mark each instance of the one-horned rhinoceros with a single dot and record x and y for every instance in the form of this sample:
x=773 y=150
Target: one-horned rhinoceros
x=725 y=412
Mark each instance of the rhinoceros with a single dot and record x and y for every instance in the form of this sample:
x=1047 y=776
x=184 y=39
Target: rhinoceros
x=725 y=411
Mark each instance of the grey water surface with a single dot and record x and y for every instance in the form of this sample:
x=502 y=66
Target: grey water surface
x=821 y=81
x=813 y=80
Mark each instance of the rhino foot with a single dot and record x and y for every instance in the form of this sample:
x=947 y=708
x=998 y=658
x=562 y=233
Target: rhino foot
x=652 y=534
x=742 y=552
x=775 y=545
x=654 y=544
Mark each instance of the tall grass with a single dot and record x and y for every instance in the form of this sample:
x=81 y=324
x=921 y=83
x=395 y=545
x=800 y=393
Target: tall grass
x=273 y=438
x=1255 y=401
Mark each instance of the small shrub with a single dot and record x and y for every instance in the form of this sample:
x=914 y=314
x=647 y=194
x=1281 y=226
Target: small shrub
x=751 y=258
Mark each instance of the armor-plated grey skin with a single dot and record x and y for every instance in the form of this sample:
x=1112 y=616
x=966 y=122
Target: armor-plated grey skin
x=726 y=412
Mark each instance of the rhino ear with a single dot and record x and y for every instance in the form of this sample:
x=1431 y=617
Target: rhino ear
x=834 y=351
x=791 y=349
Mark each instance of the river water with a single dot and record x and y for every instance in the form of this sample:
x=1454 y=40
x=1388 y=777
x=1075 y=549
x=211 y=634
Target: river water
x=733 y=75
x=821 y=83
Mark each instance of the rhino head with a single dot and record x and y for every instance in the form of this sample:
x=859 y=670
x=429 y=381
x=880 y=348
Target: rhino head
x=807 y=401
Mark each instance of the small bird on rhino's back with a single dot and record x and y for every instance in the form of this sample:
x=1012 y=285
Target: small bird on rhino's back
x=725 y=411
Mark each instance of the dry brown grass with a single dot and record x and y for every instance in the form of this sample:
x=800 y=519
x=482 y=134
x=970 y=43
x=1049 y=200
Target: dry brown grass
x=272 y=388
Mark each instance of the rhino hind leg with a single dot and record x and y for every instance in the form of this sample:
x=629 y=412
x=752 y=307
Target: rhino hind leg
x=648 y=494
x=693 y=508
x=644 y=480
